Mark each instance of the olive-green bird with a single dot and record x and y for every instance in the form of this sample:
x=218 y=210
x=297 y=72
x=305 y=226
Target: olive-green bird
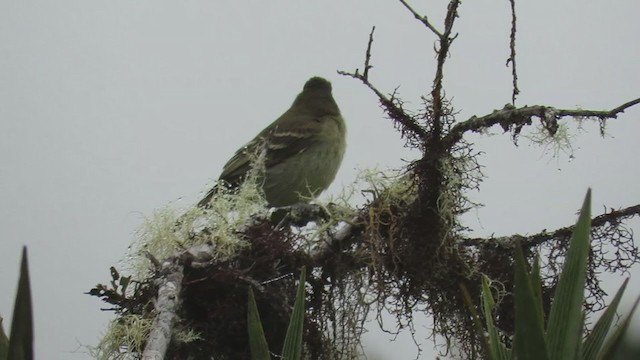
x=303 y=149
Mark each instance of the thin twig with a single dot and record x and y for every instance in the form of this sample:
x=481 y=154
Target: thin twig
x=394 y=111
x=442 y=53
x=367 y=57
x=423 y=19
x=512 y=57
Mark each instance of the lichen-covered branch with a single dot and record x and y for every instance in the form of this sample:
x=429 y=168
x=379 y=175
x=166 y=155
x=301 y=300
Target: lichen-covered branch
x=511 y=117
x=338 y=241
x=528 y=241
x=166 y=309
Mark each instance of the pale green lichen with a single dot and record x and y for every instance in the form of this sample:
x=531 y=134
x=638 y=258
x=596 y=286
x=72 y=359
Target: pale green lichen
x=339 y=211
x=559 y=142
x=186 y=336
x=387 y=186
x=351 y=297
x=384 y=188
x=166 y=231
x=124 y=339
x=126 y=336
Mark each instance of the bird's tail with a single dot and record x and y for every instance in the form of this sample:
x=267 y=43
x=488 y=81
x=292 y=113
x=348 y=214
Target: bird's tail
x=206 y=200
x=220 y=185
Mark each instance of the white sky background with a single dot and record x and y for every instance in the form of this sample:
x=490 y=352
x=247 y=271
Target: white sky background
x=110 y=109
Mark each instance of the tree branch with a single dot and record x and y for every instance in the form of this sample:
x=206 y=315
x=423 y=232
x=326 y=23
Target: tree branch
x=510 y=116
x=341 y=239
x=529 y=241
x=166 y=308
x=391 y=105
x=423 y=19
x=442 y=53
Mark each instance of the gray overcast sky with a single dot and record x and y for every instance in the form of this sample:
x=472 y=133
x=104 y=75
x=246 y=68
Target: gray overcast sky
x=110 y=109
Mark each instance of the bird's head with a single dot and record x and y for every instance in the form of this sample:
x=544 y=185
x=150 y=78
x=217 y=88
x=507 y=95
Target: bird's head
x=316 y=98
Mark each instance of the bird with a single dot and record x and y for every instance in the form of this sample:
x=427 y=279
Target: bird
x=303 y=150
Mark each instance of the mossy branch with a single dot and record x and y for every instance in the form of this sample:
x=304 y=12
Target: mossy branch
x=166 y=307
x=512 y=118
x=613 y=217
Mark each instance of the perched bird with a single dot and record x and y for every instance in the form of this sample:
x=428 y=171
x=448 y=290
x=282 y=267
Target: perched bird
x=303 y=150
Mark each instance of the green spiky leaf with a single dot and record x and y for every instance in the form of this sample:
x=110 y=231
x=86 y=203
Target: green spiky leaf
x=477 y=323
x=529 y=341
x=4 y=342
x=564 y=331
x=292 y=348
x=257 y=342
x=614 y=342
x=21 y=339
x=595 y=339
x=536 y=286
x=497 y=349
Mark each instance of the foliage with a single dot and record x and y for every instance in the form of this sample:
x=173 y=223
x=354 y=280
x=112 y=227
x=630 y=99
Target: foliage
x=19 y=346
x=561 y=338
x=257 y=342
x=292 y=349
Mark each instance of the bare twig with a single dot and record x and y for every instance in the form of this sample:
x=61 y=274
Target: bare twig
x=444 y=42
x=392 y=106
x=510 y=116
x=512 y=56
x=367 y=57
x=423 y=19
x=394 y=111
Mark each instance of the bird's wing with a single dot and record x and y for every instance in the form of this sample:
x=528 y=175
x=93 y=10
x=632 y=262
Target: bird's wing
x=280 y=141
